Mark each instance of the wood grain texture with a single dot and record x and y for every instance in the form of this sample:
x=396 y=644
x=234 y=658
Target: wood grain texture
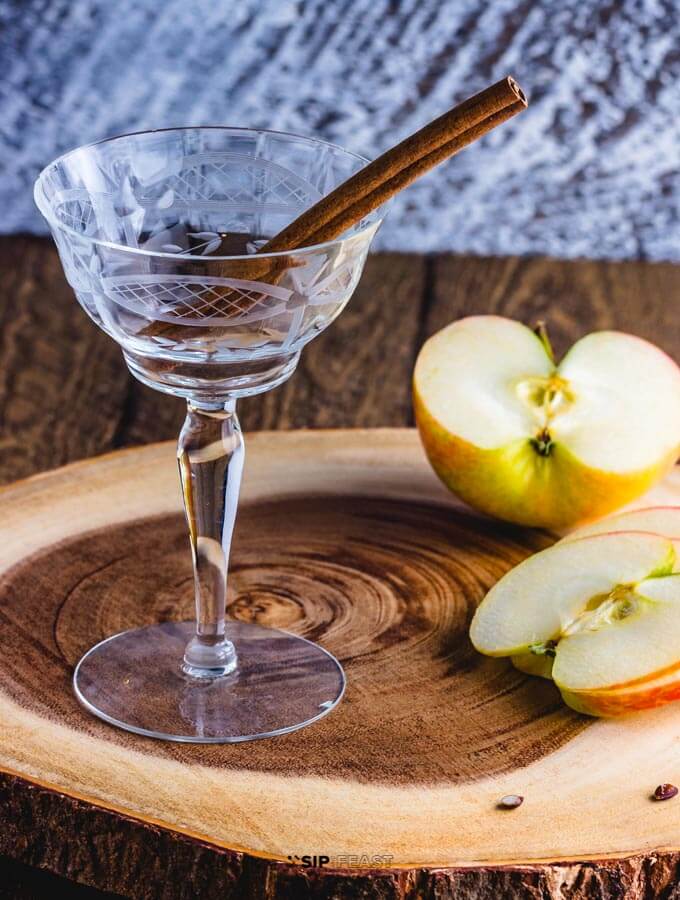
x=408 y=769
x=375 y=580
x=574 y=297
x=62 y=386
x=65 y=394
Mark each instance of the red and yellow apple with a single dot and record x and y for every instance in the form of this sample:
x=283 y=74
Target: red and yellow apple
x=601 y=615
x=526 y=440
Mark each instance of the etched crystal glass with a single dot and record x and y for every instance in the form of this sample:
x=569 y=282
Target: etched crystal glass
x=158 y=234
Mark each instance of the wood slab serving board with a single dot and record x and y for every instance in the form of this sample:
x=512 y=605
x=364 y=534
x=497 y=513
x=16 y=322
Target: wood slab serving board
x=347 y=538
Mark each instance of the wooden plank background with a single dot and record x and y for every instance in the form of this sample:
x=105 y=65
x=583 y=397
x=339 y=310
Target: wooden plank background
x=65 y=393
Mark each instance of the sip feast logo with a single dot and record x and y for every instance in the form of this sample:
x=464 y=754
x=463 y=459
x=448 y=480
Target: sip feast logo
x=340 y=860
x=309 y=861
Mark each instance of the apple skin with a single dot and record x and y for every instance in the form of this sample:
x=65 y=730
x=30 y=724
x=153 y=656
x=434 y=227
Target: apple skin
x=502 y=482
x=657 y=690
x=612 y=703
x=648 y=692
x=532 y=664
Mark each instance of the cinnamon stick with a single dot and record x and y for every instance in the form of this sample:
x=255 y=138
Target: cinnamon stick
x=439 y=139
x=383 y=192
x=373 y=185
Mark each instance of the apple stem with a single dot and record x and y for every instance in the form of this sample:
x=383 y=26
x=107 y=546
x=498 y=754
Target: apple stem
x=541 y=332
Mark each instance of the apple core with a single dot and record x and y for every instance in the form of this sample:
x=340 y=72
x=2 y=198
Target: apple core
x=546 y=398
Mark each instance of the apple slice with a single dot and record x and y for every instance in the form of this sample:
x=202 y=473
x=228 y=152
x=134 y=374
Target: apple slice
x=653 y=691
x=664 y=520
x=535 y=603
x=541 y=444
x=605 y=609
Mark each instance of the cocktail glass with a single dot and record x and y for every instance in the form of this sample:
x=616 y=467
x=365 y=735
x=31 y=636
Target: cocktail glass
x=158 y=233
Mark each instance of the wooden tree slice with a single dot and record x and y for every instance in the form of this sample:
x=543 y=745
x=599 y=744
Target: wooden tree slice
x=347 y=538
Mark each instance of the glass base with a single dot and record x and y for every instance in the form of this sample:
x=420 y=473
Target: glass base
x=135 y=680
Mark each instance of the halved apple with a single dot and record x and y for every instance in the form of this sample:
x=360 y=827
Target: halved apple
x=605 y=609
x=541 y=444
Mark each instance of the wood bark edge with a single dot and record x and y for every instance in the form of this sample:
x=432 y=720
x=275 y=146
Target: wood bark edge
x=113 y=852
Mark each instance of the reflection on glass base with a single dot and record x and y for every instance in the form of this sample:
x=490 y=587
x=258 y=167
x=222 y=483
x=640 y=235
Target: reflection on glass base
x=135 y=680
x=199 y=380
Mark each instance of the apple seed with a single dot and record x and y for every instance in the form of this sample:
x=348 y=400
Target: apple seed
x=512 y=801
x=665 y=792
x=542 y=443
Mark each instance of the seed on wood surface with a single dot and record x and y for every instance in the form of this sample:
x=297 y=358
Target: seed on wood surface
x=665 y=792
x=512 y=801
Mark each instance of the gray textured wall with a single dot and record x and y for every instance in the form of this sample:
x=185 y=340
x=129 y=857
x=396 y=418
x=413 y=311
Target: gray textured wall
x=591 y=169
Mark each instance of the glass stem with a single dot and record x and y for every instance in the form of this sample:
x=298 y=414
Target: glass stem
x=210 y=452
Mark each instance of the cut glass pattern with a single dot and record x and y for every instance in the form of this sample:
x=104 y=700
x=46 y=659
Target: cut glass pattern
x=197 y=301
x=231 y=180
x=152 y=203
